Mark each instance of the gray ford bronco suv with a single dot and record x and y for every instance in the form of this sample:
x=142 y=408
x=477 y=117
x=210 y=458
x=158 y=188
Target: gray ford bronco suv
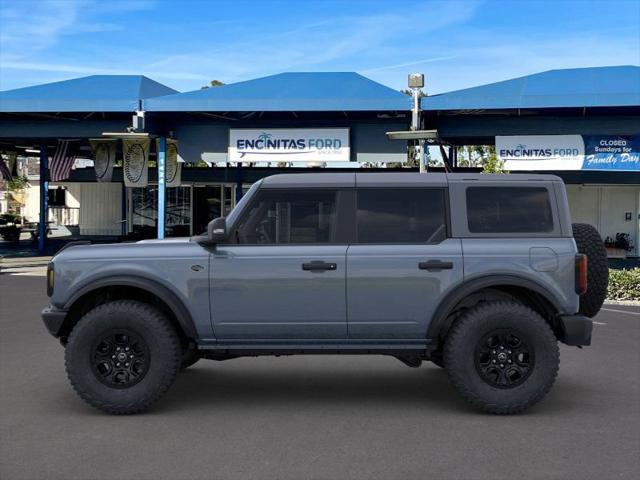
x=480 y=274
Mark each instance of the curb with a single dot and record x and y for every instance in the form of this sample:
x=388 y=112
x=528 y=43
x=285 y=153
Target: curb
x=630 y=303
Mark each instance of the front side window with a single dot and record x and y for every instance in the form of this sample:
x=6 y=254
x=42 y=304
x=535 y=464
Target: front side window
x=509 y=210
x=401 y=215
x=289 y=217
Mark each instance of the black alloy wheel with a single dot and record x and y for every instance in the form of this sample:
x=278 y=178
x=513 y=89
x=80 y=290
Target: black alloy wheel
x=120 y=359
x=503 y=358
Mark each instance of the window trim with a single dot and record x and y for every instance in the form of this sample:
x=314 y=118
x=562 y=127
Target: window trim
x=447 y=217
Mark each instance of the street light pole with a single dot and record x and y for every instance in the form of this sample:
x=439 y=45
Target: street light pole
x=416 y=82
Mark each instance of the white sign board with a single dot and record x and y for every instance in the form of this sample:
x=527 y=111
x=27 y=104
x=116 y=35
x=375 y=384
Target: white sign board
x=541 y=152
x=289 y=145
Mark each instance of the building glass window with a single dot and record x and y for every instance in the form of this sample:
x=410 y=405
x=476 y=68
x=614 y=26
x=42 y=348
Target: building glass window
x=509 y=210
x=207 y=205
x=178 y=217
x=57 y=197
x=290 y=217
x=144 y=212
x=408 y=215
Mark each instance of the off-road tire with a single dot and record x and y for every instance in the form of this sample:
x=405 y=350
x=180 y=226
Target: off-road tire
x=460 y=356
x=189 y=357
x=149 y=324
x=590 y=243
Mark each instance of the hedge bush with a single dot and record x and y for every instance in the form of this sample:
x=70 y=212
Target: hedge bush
x=624 y=284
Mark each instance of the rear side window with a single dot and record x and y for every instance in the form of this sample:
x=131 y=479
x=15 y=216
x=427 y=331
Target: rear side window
x=290 y=216
x=408 y=215
x=509 y=210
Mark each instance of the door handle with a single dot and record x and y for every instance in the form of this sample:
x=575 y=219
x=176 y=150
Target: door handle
x=319 y=266
x=435 y=265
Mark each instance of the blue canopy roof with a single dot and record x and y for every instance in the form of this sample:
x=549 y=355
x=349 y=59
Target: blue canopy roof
x=96 y=93
x=298 y=92
x=576 y=87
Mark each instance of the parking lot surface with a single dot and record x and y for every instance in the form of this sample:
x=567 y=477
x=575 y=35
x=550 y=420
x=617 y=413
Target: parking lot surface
x=315 y=417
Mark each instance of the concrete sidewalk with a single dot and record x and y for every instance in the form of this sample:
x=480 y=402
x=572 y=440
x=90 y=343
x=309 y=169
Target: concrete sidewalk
x=9 y=265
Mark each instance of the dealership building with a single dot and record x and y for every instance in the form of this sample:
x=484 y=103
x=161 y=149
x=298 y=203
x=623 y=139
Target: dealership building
x=212 y=144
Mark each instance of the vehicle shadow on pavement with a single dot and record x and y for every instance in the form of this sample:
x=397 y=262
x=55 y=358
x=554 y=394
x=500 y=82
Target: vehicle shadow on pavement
x=215 y=385
x=211 y=384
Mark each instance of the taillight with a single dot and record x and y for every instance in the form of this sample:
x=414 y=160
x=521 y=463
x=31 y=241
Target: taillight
x=581 y=274
x=50 y=279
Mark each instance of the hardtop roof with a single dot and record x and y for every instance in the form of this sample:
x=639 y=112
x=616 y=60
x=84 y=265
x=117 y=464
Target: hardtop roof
x=393 y=179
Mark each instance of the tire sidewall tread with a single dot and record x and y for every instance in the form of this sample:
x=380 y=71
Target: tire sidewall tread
x=164 y=350
x=459 y=356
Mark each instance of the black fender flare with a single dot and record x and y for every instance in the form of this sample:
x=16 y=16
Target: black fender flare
x=458 y=293
x=176 y=305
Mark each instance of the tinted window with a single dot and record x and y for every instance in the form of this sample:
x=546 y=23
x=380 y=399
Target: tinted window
x=509 y=210
x=408 y=215
x=290 y=216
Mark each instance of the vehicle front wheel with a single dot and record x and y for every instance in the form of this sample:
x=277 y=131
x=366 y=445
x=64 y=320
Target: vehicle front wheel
x=122 y=356
x=502 y=357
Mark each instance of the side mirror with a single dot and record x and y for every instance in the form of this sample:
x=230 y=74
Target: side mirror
x=217 y=230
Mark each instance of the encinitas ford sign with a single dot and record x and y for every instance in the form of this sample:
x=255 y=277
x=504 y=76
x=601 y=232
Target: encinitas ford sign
x=569 y=152
x=289 y=145
x=541 y=152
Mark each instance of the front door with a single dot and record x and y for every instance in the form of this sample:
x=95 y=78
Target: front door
x=284 y=277
x=401 y=264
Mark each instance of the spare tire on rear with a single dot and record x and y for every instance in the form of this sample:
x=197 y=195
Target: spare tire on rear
x=590 y=243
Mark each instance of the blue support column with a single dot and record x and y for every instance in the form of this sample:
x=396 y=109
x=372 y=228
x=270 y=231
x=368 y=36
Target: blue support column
x=44 y=199
x=162 y=156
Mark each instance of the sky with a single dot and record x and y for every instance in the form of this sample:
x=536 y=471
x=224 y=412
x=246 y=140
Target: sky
x=185 y=44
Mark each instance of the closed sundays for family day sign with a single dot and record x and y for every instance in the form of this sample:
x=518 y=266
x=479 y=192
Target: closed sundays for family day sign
x=289 y=145
x=569 y=152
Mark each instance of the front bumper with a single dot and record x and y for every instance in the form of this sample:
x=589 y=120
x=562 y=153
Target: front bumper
x=576 y=330
x=54 y=319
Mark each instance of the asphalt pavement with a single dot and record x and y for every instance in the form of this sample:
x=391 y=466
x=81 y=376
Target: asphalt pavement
x=315 y=417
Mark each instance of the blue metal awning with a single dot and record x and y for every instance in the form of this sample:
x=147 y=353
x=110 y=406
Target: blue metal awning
x=577 y=87
x=96 y=93
x=289 y=92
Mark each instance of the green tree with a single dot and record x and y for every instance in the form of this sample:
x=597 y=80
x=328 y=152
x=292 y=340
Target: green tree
x=493 y=164
x=213 y=83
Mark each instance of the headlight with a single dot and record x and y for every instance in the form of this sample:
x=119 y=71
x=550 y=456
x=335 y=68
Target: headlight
x=50 y=279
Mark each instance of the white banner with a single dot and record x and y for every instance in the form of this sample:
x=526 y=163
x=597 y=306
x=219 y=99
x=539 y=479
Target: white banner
x=173 y=166
x=136 y=162
x=104 y=157
x=541 y=152
x=289 y=145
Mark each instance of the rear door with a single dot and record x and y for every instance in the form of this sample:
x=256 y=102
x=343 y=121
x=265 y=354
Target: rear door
x=285 y=276
x=401 y=263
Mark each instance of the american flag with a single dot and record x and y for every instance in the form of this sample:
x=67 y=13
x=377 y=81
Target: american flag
x=62 y=161
x=5 y=173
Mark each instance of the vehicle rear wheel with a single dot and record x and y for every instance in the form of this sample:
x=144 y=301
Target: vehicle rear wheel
x=502 y=357
x=590 y=243
x=122 y=356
